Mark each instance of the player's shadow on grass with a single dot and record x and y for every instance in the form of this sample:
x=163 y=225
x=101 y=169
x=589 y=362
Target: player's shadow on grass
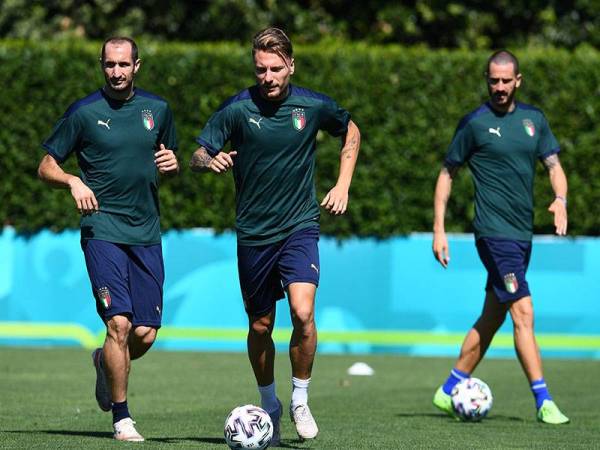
x=495 y=417
x=173 y=440
x=433 y=414
x=166 y=440
x=98 y=434
x=503 y=418
x=212 y=440
x=292 y=443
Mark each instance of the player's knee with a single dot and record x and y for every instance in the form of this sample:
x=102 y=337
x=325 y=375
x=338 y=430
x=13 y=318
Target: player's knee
x=303 y=317
x=261 y=326
x=523 y=319
x=523 y=322
x=118 y=328
x=145 y=335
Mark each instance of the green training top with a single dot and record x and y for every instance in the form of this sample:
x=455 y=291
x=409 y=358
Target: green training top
x=275 y=162
x=501 y=150
x=115 y=142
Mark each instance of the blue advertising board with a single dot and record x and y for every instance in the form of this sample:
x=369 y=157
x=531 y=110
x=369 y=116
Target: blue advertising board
x=375 y=295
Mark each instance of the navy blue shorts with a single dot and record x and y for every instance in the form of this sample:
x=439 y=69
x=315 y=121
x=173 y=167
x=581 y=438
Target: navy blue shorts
x=126 y=280
x=266 y=270
x=506 y=261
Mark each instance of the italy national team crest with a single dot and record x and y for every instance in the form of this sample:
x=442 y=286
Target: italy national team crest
x=104 y=297
x=148 y=119
x=510 y=282
x=298 y=119
x=529 y=127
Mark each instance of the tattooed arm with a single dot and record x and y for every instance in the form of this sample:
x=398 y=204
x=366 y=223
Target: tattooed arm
x=336 y=200
x=202 y=162
x=443 y=187
x=558 y=180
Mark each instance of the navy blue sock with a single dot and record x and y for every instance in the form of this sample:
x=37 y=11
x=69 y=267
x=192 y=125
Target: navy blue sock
x=120 y=411
x=540 y=392
x=455 y=377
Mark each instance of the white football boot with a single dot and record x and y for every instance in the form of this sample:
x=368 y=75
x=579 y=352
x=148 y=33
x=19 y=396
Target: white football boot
x=125 y=431
x=306 y=427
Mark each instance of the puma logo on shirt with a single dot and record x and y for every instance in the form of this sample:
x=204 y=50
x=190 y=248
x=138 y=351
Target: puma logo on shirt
x=106 y=124
x=255 y=122
x=495 y=131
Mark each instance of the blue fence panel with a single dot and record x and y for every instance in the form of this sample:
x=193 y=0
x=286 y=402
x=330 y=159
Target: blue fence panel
x=375 y=295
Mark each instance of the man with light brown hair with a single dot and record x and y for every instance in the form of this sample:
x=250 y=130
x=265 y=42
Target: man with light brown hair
x=272 y=127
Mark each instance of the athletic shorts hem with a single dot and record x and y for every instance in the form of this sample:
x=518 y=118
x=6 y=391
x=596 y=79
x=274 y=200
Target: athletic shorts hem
x=107 y=315
x=146 y=324
x=143 y=323
x=503 y=297
x=301 y=280
x=264 y=311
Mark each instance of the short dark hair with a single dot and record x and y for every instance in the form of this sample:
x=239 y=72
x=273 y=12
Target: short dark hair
x=502 y=57
x=273 y=40
x=120 y=40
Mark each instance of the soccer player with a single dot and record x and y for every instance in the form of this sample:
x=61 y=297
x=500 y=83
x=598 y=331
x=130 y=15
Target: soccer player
x=123 y=138
x=500 y=141
x=272 y=127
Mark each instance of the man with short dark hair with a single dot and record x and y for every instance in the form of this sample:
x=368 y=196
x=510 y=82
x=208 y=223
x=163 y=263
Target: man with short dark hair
x=500 y=141
x=123 y=139
x=272 y=127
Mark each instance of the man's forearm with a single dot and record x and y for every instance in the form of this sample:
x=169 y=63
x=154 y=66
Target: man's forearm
x=443 y=188
x=50 y=172
x=558 y=180
x=200 y=160
x=349 y=155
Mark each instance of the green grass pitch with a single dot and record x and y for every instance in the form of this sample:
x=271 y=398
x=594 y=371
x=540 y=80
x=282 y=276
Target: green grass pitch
x=180 y=400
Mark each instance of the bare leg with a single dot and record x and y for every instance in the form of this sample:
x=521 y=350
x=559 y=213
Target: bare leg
x=528 y=352
x=261 y=349
x=479 y=337
x=141 y=340
x=116 y=356
x=303 y=346
x=526 y=346
x=303 y=343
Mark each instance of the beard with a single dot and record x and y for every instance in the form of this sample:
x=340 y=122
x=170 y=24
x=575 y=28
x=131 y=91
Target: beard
x=269 y=90
x=502 y=99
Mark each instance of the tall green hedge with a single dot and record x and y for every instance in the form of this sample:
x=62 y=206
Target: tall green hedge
x=406 y=102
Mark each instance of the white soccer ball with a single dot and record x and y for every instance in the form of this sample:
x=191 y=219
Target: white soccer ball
x=248 y=427
x=472 y=399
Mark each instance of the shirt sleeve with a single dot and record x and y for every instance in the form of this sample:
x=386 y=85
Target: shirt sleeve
x=65 y=137
x=168 y=135
x=461 y=147
x=334 y=119
x=548 y=144
x=217 y=131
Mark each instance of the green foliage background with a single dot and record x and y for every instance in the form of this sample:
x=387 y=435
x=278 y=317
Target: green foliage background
x=434 y=23
x=406 y=101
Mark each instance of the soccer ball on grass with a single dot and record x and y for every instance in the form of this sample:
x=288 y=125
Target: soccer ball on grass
x=248 y=427
x=471 y=399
